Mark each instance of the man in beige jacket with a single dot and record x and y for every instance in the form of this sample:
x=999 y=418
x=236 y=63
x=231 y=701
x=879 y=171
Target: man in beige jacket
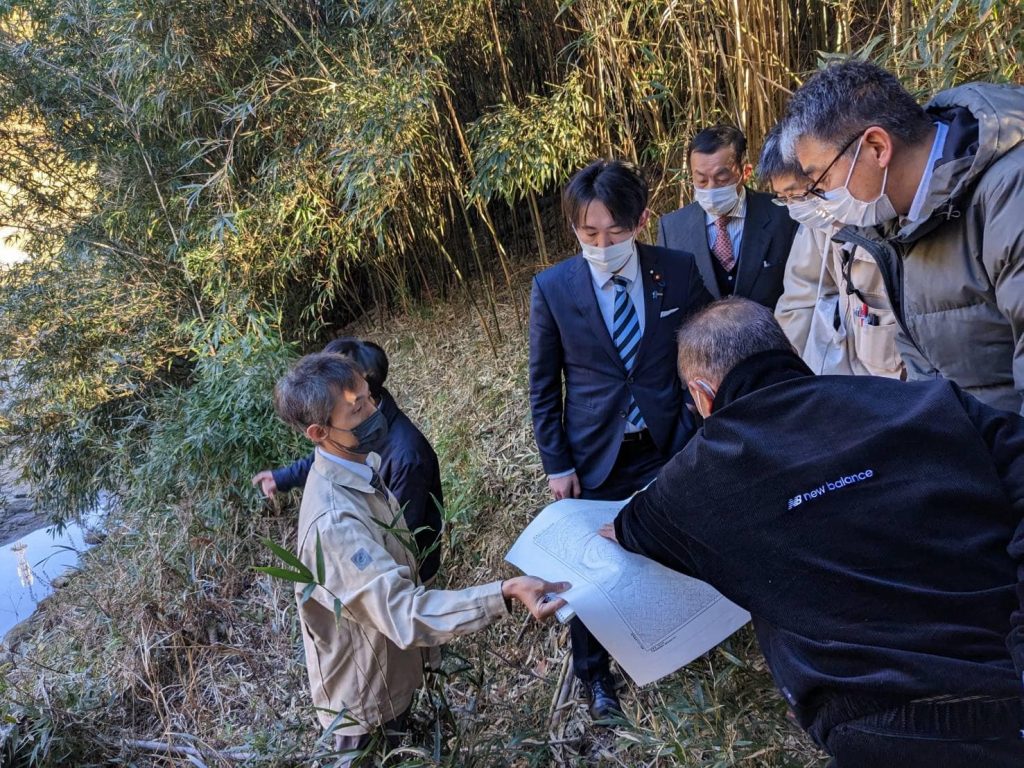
x=834 y=307
x=367 y=626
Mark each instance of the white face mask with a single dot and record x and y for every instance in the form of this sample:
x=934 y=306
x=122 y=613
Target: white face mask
x=810 y=213
x=611 y=258
x=718 y=201
x=848 y=210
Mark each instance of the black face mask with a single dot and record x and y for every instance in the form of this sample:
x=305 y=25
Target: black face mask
x=371 y=434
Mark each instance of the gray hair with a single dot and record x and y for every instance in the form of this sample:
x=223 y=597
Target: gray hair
x=847 y=97
x=773 y=163
x=307 y=393
x=724 y=333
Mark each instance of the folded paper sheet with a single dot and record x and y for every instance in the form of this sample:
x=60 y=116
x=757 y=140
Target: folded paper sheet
x=651 y=619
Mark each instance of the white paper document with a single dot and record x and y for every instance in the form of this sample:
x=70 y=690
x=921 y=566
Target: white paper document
x=651 y=619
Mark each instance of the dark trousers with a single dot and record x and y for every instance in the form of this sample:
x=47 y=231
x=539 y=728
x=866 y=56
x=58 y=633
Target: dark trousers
x=635 y=466
x=962 y=734
x=353 y=749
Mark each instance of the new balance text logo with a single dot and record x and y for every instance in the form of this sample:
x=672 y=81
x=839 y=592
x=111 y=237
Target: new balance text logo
x=835 y=485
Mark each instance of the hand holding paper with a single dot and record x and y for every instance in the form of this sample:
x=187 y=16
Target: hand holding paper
x=651 y=619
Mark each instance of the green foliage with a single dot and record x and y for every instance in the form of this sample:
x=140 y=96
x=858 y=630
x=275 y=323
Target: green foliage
x=199 y=443
x=951 y=43
x=180 y=169
x=91 y=338
x=534 y=147
x=208 y=189
x=298 y=572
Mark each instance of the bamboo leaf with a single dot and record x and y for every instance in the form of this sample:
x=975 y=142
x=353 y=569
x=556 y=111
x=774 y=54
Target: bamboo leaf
x=284 y=573
x=307 y=592
x=338 y=607
x=288 y=557
x=320 y=565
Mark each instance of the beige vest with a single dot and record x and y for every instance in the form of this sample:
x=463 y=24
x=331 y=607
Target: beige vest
x=866 y=341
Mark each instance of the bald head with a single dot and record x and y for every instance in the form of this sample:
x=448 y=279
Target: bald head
x=725 y=333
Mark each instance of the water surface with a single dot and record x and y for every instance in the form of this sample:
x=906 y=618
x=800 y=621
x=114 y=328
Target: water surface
x=28 y=565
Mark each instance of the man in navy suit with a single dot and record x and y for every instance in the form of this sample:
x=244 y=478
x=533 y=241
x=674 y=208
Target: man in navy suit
x=739 y=239
x=607 y=405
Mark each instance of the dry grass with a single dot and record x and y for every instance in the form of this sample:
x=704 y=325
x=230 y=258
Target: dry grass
x=168 y=636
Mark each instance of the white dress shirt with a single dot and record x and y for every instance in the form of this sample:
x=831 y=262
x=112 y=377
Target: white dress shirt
x=365 y=471
x=604 y=289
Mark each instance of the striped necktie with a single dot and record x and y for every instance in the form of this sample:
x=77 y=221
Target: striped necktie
x=626 y=335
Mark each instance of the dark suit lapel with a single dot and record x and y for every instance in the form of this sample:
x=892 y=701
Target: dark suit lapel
x=582 y=287
x=697 y=239
x=654 y=294
x=754 y=245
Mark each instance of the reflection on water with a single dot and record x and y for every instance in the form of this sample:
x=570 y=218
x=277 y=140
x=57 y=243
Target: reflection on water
x=25 y=574
x=27 y=567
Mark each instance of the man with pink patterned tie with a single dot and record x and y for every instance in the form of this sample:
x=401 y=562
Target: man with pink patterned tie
x=739 y=239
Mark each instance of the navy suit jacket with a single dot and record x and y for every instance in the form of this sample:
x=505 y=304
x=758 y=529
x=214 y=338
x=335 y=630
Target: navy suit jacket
x=581 y=426
x=767 y=236
x=409 y=468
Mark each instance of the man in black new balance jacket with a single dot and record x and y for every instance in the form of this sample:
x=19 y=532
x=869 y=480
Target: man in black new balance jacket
x=873 y=529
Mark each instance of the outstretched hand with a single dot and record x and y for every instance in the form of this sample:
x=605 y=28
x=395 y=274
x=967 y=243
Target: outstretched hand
x=535 y=594
x=265 y=482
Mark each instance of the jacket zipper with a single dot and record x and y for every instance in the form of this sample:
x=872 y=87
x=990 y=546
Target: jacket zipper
x=892 y=277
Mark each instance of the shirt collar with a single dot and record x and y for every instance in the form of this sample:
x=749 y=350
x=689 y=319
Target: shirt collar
x=739 y=212
x=353 y=474
x=601 y=277
x=914 y=214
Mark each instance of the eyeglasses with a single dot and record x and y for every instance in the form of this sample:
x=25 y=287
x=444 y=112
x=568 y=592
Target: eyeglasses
x=815 y=188
x=783 y=201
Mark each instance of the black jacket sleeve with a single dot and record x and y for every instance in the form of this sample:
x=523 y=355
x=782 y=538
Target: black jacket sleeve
x=294 y=475
x=409 y=479
x=650 y=525
x=1003 y=433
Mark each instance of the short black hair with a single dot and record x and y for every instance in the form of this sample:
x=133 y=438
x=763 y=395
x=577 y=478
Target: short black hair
x=619 y=186
x=846 y=98
x=370 y=357
x=712 y=139
x=307 y=393
x=773 y=163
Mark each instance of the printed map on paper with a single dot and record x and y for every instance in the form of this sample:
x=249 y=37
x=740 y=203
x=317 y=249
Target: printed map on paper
x=651 y=619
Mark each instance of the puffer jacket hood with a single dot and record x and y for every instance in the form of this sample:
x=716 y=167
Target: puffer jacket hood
x=985 y=122
x=955 y=277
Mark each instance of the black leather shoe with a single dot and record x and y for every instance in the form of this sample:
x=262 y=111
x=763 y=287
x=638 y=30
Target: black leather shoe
x=603 y=701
